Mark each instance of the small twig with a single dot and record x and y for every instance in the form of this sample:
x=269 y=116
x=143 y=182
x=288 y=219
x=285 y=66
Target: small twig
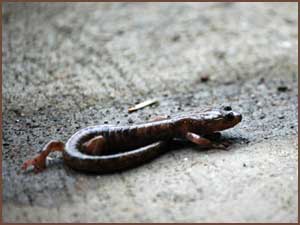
x=142 y=105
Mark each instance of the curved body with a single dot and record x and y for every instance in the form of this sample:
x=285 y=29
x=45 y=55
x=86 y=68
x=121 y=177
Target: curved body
x=130 y=146
x=125 y=146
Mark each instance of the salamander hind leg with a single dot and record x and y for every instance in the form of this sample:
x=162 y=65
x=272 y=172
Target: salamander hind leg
x=39 y=161
x=95 y=146
x=203 y=142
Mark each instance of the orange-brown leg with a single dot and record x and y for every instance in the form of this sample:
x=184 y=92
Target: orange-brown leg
x=95 y=146
x=203 y=142
x=39 y=161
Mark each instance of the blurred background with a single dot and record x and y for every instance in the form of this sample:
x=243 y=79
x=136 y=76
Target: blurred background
x=70 y=65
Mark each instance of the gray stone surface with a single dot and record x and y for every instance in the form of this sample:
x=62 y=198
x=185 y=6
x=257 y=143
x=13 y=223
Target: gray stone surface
x=67 y=66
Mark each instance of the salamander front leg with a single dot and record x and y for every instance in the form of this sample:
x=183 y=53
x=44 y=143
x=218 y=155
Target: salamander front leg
x=39 y=161
x=203 y=142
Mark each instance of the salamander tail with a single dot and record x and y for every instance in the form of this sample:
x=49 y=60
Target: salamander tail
x=39 y=161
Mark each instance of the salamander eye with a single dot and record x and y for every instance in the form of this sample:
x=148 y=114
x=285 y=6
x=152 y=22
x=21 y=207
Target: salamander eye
x=227 y=108
x=229 y=116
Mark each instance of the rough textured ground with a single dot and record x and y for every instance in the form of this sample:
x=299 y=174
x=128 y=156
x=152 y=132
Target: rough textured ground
x=67 y=66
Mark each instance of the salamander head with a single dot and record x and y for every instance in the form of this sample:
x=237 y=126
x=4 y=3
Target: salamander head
x=214 y=120
x=221 y=119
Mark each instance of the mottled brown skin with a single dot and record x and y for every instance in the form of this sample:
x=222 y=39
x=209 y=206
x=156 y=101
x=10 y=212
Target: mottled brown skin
x=105 y=149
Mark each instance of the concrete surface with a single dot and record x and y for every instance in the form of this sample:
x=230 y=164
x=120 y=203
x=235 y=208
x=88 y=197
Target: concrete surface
x=67 y=66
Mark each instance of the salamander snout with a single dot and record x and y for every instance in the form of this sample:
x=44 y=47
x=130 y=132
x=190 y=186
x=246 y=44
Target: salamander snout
x=238 y=116
x=231 y=118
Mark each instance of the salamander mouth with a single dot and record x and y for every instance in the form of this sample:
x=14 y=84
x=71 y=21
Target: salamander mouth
x=238 y=116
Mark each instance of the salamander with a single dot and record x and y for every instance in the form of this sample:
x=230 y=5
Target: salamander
x=108 y=148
